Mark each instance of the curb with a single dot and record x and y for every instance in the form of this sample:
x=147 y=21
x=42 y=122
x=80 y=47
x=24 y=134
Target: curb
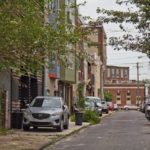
x=62 y=137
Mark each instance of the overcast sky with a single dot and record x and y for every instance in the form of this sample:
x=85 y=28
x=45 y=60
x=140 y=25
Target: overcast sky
x=119 y=58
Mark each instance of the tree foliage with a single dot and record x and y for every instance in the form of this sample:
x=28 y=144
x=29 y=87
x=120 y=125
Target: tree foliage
x=139 y=17
x=26 y=39
x=107 y=96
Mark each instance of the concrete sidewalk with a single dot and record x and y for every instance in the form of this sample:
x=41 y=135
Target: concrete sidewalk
x=39 y=139
x=34 y=140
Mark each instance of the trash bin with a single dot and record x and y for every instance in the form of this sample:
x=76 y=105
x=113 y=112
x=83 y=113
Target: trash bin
x=78 y=118
x=16 y=120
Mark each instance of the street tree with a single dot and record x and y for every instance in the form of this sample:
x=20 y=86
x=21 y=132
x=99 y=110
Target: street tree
x=26 y=39
x=137 y=14
x=108 y=96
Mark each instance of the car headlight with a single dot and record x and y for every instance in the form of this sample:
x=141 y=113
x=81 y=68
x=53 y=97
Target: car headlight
x=26 y=113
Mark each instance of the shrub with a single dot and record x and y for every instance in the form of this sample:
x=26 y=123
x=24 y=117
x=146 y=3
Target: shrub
x=72 y=118
x=91 y=116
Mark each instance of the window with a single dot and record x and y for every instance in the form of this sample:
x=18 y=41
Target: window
x=128 y=93
x=118 y=100
x=117 y=73
x=128 y=100
x=118 y=92
x=113 y=73
x=68 y=17
x=53 y=5
x=121 y=73
x=138 y=100
x=126 y=73
x=108 y=72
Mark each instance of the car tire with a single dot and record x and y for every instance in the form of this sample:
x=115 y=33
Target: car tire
x=100 y=114
x=26 y=127
x=60 y=128
x=66 y=126
x=106 y=111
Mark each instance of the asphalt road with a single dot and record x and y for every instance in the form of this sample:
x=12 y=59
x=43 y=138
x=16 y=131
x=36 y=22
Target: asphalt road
x=128 y=130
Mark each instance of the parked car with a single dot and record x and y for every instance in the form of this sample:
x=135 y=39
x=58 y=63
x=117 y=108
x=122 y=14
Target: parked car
x=89 y=105
x=46 y=111
x=105 y=106
x=97 y=104
x=110 y=106
x=144 y=104
x=147 y=109
x=116 y=107
x=131 y=107
x=142 y=107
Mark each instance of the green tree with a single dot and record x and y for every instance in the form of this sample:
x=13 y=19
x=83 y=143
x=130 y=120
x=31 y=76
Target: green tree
x=107 y=96
x=139 y=17
x=26 y=39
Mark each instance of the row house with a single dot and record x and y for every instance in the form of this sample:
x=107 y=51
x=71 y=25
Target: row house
x=92 y=59
x=57 y=79
x=123 y=90
x=97 y=58
x=17 y=91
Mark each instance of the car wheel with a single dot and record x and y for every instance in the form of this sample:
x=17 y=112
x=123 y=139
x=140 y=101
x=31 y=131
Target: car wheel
x=66 y=126
x=100 y=114
x=106 y=111
x=60 y=128
x=26 y=127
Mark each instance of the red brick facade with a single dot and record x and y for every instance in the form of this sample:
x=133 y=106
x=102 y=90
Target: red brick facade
x=122 y=89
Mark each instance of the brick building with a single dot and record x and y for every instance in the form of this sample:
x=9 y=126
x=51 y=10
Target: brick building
x=123 y=90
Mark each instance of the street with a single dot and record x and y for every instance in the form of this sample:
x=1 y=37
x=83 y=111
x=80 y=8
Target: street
x=126 y=130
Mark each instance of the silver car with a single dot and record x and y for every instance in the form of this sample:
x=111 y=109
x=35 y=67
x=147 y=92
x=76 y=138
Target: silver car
x=104 y=107
x=46 y=112
x=97 y=103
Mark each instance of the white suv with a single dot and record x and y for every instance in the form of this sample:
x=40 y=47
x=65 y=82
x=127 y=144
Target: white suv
x=46 y=111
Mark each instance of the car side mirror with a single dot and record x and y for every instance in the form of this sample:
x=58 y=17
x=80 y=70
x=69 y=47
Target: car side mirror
x=27 y=105
x=64 y=107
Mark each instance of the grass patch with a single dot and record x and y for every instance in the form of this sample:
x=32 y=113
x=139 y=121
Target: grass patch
x=3 y=131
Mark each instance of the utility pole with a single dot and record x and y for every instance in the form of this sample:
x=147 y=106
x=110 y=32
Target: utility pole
x=138 y=91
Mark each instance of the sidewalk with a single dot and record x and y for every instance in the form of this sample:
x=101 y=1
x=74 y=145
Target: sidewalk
x=33 y=140
x=36 y=140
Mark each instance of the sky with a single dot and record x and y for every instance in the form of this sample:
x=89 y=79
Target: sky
x=118 y=58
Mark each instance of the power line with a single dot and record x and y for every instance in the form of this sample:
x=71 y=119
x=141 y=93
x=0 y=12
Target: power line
x=131 y=63
x=124 y=58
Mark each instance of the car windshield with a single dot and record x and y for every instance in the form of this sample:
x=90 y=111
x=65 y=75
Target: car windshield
x=46 y=102
x=88 y=103
x=97 y=100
